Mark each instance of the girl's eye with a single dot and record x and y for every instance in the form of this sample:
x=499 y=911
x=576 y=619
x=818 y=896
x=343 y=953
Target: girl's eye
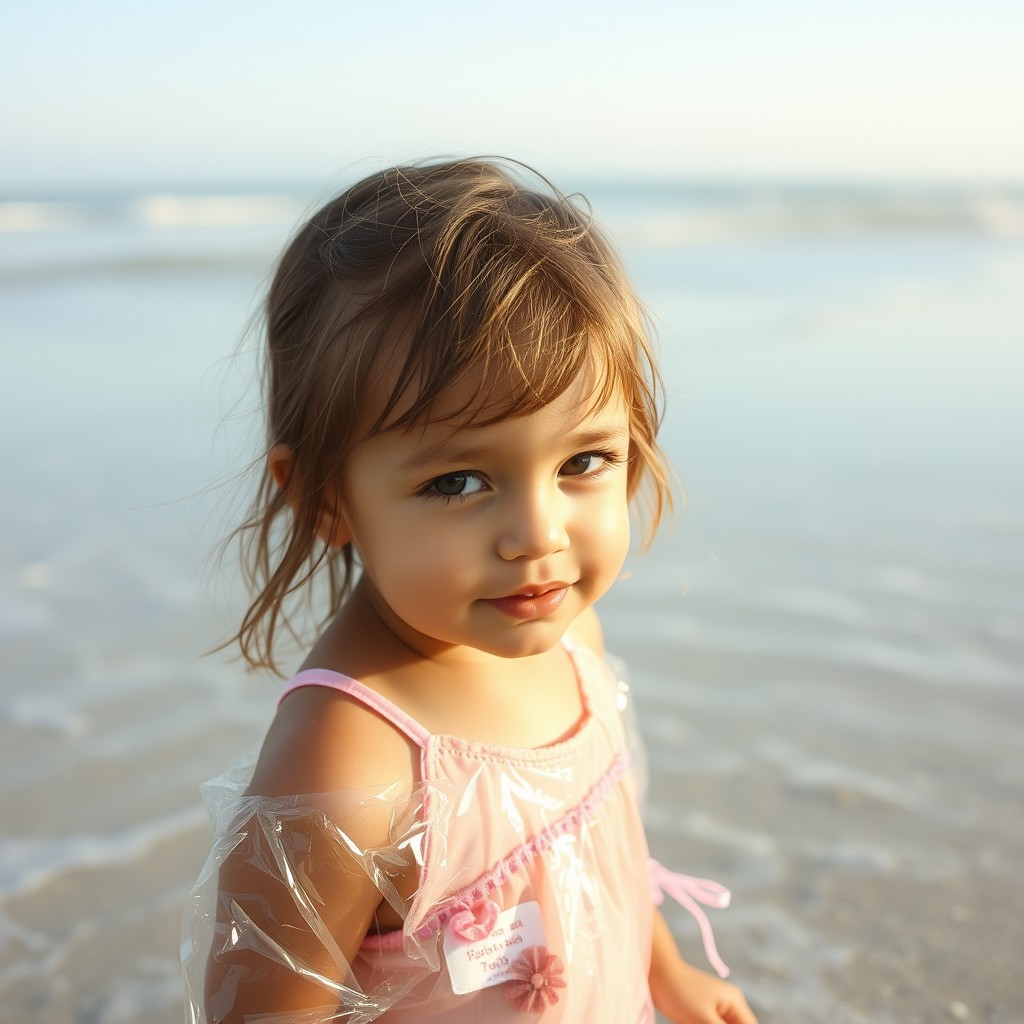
x=586 y=464
x=455 y=485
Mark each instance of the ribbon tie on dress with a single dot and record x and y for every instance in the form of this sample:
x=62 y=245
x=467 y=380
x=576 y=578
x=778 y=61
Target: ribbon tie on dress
x=689 y=893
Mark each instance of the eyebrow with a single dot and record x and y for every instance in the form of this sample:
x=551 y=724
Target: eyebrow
x=445 y=451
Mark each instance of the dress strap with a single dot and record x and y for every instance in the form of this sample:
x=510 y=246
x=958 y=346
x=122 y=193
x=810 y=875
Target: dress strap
x=370 y=698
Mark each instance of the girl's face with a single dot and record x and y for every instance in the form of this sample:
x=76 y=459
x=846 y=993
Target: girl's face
x=492 y=537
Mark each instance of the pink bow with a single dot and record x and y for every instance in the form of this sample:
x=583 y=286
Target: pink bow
x=472 y=924
x=689 y=893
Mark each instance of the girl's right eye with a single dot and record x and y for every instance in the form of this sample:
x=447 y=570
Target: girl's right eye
x=454 y=485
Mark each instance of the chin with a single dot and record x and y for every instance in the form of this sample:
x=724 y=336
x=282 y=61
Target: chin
x=529 y=642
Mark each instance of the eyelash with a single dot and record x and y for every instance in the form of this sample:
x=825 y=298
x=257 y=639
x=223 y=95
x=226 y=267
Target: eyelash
x=608 y=461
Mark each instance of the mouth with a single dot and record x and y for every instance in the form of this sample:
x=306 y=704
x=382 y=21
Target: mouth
x=533 y=602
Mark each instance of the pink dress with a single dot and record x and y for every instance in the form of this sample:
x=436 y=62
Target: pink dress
x=535 y=897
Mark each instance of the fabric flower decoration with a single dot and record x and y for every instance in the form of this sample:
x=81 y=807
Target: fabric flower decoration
x=472 y=924
x=536 y=975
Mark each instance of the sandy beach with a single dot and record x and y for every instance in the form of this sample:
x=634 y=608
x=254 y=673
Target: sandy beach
x=825 y=649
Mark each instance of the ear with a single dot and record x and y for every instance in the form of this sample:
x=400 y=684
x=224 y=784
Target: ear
x=332 y=524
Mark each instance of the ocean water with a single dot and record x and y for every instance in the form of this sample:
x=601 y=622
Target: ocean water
x=826 y=644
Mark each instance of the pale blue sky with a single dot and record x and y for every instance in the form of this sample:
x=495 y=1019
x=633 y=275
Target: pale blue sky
x=192 y=91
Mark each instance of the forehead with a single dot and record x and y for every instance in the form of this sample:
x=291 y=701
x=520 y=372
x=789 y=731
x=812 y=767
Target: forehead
x=471 y=413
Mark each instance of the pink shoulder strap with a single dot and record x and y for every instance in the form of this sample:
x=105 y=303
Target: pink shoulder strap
x=370 y=698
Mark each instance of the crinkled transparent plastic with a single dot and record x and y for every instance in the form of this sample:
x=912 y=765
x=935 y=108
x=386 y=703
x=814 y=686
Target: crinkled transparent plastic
x=532 y=895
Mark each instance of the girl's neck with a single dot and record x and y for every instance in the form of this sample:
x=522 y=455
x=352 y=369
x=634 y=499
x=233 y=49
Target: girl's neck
x=515 y=702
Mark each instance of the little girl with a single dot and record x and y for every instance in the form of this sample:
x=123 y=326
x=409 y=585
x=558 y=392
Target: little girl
x=442 y=824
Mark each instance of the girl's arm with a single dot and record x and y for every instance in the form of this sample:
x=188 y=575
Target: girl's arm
x=686 y=995
x=252 y=977
x=299 y=898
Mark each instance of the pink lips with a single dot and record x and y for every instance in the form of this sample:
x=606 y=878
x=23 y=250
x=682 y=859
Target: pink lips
x=533 y=604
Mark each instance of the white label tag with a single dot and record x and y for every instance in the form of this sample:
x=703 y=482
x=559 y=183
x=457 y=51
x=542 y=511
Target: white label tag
x=476 y=965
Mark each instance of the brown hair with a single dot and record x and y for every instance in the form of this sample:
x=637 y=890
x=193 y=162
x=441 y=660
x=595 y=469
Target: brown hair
x=394 y=291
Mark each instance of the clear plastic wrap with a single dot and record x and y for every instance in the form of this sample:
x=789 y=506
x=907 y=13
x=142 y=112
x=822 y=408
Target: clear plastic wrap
x=516 y=884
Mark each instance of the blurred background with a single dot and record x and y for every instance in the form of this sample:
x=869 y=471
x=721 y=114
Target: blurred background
x=823 y=206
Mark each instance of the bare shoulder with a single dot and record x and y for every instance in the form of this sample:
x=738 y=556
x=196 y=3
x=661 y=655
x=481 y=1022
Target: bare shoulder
x=321 y=742
x=324 y=741
x=586 y=631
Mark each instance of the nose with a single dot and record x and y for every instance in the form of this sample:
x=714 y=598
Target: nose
x=535 y=526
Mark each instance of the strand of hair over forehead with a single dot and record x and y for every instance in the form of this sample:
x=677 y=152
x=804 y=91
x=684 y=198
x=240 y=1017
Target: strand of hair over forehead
x=507 y=270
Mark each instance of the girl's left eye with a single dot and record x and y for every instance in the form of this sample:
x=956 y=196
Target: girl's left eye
x=455 y=485
x=586 y=464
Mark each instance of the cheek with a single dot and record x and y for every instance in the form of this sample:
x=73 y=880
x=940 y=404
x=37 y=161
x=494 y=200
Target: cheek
x=618 y=535
x=606 y=531
x=416 y=557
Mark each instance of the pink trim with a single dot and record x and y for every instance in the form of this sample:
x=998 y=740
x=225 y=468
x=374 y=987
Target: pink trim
x=389 y=940
x=374 y=701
